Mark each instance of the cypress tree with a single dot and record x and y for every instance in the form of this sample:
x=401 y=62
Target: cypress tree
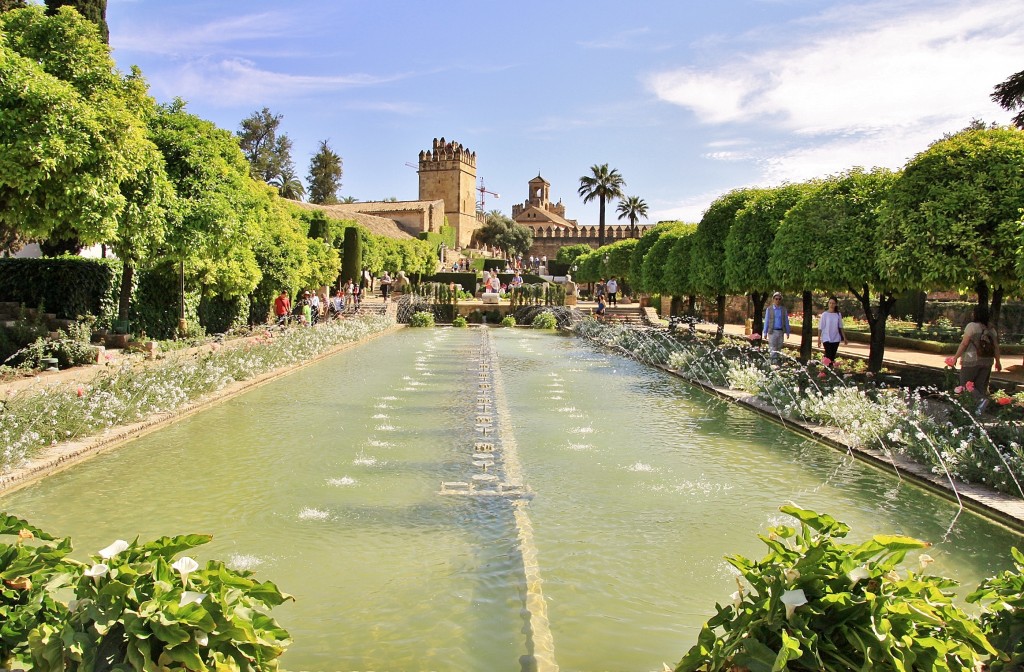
x=93 y=10
x=6 y=5
x=353 y=256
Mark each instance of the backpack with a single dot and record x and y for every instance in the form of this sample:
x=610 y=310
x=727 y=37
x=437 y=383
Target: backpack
x=986 y=345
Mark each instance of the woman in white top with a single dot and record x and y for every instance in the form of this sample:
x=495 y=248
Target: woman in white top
x=830 y=331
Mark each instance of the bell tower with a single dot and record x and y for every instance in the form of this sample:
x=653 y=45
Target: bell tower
x=447 y=172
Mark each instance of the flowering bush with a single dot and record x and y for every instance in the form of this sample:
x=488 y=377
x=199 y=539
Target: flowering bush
x=816 y=603
x=131 y=607
x=746 y=377
x=545 y=320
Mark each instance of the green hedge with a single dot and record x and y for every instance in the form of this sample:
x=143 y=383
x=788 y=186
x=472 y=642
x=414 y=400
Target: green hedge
x=218 y=314
x=68 y=286
x=467 y=280
x=446 y=236
x=495 y=264
x=155 y=309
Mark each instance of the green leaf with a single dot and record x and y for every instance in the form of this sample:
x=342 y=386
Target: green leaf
x=756 y=656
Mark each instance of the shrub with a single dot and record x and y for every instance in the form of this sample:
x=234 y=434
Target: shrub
x=421 y=319
x=814 y=603
x=68 y=286
x=132 y=608
x=509 y=321
x=459 y=322
x=545 y=320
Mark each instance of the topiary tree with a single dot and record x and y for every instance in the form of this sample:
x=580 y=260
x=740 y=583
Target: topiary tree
x=953 y=218
x=646 y=242
x=708 y=251
x=748 y=247
x=830 y=240
x=677 y=280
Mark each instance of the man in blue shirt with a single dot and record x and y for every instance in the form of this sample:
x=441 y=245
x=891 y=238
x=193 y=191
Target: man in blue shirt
x=776 y=326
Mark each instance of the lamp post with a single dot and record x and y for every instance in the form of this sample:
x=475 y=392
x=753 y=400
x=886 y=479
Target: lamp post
x=443 y=247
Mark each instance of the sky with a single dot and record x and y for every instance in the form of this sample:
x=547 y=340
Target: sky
x=687 y=99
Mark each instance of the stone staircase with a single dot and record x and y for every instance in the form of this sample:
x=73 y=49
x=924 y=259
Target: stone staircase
x=628 y=314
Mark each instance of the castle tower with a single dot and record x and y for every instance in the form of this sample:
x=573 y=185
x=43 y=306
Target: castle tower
x=448 y=173
x=539 y=192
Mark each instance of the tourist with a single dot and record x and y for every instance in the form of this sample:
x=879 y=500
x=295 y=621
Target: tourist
x=357 y=296
x=600 y=310
x=350 y=288
x=338 y=303
x=314 y=308
x=830 y=331
x=776 y=326
x=599 y=289
x=612 y=288
x=517 y=280
x=366 y=280
x=495 y=283
x=978 y=351
x=385 y=285
x=282 y=307
x=307 y=309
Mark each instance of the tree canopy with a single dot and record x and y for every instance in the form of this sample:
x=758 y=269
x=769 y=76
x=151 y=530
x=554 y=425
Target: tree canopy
x=269 y=154
x=503 y=233
x=1010 y=96
x=632 y=209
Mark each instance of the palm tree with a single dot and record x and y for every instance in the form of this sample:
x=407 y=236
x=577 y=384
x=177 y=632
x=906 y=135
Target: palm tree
x=632 y=208
x=603 y=184
x=289 y=185
x=349 y=200
x=1010 y=96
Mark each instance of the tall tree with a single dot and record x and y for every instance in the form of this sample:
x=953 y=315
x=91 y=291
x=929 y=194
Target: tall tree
x=94 y=11
x=72 y=128
x=748 y=247
x=632 y=208
x=604 y=184
x=1010 y=96
x=830 y=240
x=636 y=264
x=269 y=154
x=324 y=176
x=707 y=270
x=952 y=219
x=505 y=234
x=7 y=5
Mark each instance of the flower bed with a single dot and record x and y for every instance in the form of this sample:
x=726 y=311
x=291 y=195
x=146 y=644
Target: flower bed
x=36 y=418
x=935 y=427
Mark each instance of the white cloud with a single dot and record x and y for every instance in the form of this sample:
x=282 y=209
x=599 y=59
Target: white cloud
x=867 y=84
x=236 y=81
x=202 y=38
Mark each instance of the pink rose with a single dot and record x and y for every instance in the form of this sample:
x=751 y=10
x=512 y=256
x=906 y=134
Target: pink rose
x=959 y=389
x=970 y=386
x=825 y=361
x=950 y=362
x=821 y=375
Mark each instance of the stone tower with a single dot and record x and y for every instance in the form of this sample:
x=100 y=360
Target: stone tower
x=448 y=172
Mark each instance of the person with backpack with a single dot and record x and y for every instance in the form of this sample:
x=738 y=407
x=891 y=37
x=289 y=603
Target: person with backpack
x=978 y=351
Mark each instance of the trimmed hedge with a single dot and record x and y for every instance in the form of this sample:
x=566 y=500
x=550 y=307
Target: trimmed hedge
x=155 y=308
x=467 y=280
x=68 y=286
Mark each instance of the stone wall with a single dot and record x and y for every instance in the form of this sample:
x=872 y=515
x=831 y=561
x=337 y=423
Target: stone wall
x=447 y=172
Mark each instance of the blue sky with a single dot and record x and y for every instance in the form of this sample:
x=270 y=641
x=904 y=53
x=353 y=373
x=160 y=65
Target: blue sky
x=687 y=99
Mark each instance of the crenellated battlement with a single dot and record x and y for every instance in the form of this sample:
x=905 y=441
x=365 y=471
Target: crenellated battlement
x=443 y=153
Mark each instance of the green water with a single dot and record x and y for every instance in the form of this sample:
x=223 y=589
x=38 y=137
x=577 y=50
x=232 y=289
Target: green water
x=327 y=482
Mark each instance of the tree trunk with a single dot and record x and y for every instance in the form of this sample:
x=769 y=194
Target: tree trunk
x=691 y=309
x=920 y=304
x=876 y=324
x=981 y=287
x=720 y=300
x=677 y=306
x=758 y=299
x=997 y=305
x=600 y=221
x=806 y=333
x=125 y=297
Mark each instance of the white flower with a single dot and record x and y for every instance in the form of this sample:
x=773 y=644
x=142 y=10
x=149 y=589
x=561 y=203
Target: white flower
x=891 y=575
x=185 y=566
x=202 y=639
x=191 y=597
x=858 y=574
x=737 y=599
x=113 y=549
x=925 y=560
x=791 y=575
x=793 y=599
x=97 y=570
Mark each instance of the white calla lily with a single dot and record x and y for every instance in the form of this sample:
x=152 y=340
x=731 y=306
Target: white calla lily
x=858 y=574
x=97 y=570
x=115 y=548
x=737 y=599
x=791 y=575
x=202 y=639
x=191 y=597
x=185 y=566
x=793 y=599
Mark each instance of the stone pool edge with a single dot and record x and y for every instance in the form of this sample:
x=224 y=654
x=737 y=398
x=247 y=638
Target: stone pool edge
x=65 y=455
x=1001 y=508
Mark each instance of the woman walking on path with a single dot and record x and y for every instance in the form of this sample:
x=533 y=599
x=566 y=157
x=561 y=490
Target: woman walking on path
x=830 y=331
x=978 y=351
